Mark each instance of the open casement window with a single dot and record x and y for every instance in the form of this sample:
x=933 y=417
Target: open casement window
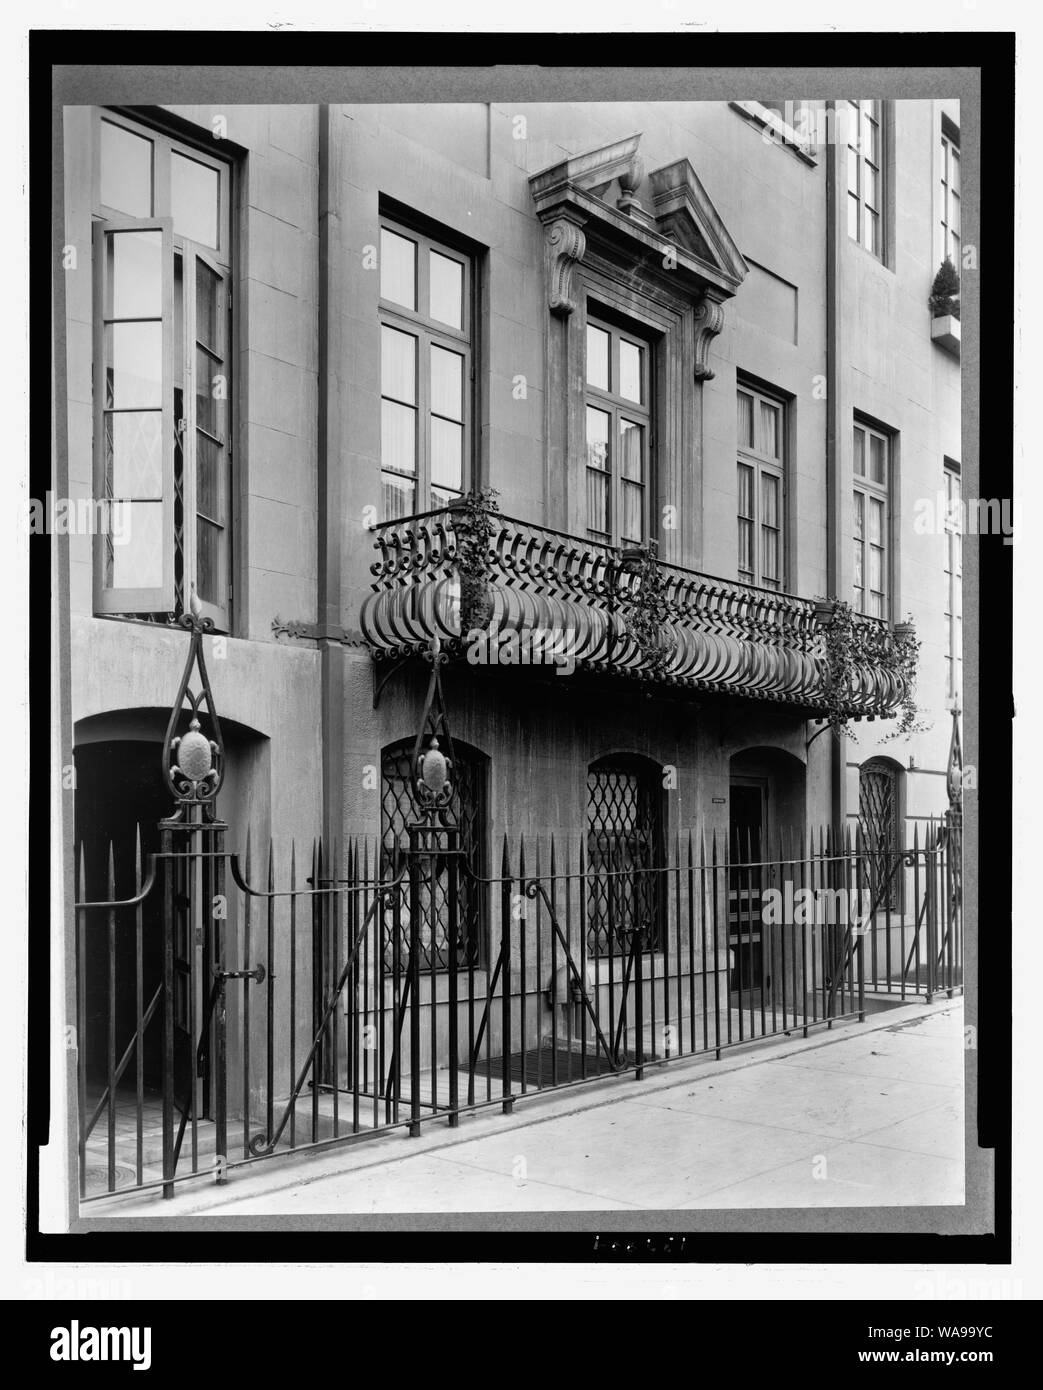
x=871 y=558
x=426 y=379
x=760 y=488
x=134 y=421
x=619 y=427
x=162 y=374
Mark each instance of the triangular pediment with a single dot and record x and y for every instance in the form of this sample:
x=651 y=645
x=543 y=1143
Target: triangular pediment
x=684 y=212
x=608 y=192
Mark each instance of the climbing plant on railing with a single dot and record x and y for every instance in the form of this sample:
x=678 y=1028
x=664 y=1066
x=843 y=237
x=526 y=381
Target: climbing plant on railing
x=646 y=612
x=850 y=645
x=474 y=522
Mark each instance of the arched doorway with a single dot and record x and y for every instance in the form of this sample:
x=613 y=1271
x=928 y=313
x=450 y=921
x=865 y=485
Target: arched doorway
x=766 y=810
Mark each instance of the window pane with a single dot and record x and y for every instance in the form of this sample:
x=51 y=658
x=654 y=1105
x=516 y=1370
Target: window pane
x=134 y=557
x=126 y=171
x=871 y=231
x=209 y=461
x=633 y=514
x=769 y=500
x=852 y=170
x=630 y=363
x=398 y=437
x=208 y=330
x=876 y=521
x=597 y=438
x=397 y=268
x=447 y=290
x=398 y=365
x=745 y=490
x=877 y=459
x=769 y=441
x=597 y=357
x=398 y=497
x=954 y=170
x=870 y=132
x=447 y=453
x=770 y=555
x=194 y=199
x=597 y=503
x=134 y=375
x=852 y=216
x=859 y=576
x=871 y=185
x=136 y=274
x=632 y=463
x=210 y=386
x=876 y=605
x=134 y=453
x=745 y=420
x=860 y=510
x=745 y=548
x=209 y=562
x=447 y=383
x=876 y=569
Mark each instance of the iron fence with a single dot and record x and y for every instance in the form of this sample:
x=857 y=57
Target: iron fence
x=279 y=1018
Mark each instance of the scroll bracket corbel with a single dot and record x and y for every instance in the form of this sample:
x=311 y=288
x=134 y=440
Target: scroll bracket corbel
x=566 y=244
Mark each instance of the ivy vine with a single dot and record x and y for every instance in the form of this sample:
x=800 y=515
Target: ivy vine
x=647 y=611
x=848 y=645
x=474 y=522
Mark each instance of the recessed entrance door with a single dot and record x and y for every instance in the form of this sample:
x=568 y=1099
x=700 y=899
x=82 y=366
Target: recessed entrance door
x=747 y=816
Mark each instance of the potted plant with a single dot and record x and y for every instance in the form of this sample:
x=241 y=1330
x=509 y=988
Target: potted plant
x=944 y=304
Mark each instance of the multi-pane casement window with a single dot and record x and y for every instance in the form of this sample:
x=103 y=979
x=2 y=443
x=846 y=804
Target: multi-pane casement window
x=760 y=488
x=949 y=228
x=953 y=584
x=872 y=470
x=162 y=374
x=618 y=435
x=863 y=128
x=426 y=380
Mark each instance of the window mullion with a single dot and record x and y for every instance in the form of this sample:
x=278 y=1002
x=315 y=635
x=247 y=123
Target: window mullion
x=188 y=443
x=423 y=424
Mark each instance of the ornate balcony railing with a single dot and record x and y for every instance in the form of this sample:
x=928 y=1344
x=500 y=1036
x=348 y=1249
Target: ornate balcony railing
x=485 y=583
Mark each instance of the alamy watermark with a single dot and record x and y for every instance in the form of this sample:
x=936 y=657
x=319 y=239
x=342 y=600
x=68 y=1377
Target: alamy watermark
x=79 y=516
x=809 y=907
x=524 y=646
x=966 y=516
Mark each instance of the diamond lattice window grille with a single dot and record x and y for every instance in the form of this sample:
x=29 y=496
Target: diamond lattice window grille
x=878 y=814
x=624 y=832
x=397 y=812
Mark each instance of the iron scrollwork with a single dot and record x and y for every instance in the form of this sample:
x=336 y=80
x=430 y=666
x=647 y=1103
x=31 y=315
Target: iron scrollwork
x=193 y=764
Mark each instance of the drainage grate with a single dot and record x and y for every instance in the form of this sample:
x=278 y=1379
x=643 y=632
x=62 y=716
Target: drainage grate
x=99 y=1176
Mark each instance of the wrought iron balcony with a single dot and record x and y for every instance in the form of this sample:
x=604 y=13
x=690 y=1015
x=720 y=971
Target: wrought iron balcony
x=497 y=589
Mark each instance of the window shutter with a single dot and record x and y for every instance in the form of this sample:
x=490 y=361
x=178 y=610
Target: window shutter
x=134 y=416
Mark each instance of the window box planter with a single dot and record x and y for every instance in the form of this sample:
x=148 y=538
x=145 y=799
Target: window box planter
x=945 y=331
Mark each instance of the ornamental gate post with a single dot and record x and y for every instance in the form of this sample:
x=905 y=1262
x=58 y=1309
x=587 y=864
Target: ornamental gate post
x=192 y=856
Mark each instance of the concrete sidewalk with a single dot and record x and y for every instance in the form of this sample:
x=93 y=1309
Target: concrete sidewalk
x=865 y=1115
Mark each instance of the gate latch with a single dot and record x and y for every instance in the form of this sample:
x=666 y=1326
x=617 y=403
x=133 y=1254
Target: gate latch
x=257 y=974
